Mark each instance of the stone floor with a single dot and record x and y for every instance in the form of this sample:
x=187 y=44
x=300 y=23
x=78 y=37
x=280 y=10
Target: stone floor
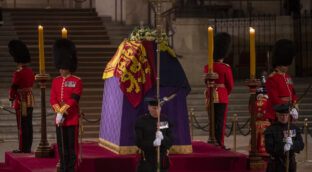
x=242 y=147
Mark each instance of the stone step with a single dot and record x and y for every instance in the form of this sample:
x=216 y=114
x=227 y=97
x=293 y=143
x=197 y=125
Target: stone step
x=52 y=28
x=94 y=51
x=81 y=48
x=72 y=37
x=91 y=128
x=52 y=13
x=58 y=31
x=82 y=55
x=60 y=23
x=92 y=63
x=44 y=10
x=51 y=67
x=48 y=59
x=68 y=17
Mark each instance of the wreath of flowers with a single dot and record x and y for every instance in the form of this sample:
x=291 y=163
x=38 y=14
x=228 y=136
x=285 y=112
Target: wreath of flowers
x=146 y=34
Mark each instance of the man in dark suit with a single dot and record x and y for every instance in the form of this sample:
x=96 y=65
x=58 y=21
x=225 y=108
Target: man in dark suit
x=148 y=138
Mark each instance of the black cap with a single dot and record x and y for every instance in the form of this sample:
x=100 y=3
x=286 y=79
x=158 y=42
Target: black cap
x=222 y=45
x=19 y=51
x=64 y=53
x=151 y=101
x=283 y=53
x=283 y=108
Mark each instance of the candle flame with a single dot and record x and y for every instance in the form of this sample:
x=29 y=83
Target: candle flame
x=251 y=29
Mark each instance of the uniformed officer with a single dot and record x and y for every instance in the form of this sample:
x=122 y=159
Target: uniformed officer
x=65 y=94
x=21 y=94
x=224 y=84
x=262 y=121
x=148 y=138
x=278 y=141
x=279 y=84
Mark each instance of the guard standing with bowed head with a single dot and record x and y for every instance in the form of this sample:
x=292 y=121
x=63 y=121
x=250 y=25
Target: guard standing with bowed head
x=148 y=138
x=21 y=94
x=279 y=85
x=224 y=83
x=64 y=99
x=279 y=139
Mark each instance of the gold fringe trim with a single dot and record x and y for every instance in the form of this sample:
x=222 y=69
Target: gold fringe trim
x=181 y=149
x=64 y=108
x=56 y=108
x=126 y=150
x=123 y=150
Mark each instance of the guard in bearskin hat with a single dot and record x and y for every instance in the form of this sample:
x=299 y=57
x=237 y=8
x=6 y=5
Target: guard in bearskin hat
x=279 y=84
x=64 y=99
x=224 y=84
x=21 y=94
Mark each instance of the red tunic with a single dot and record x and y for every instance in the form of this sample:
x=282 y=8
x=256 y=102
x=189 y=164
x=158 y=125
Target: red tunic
x=261 y=124
x=224 y=84
x=64 y=98
x=261 y=109
x=21 y=89
x=280 y=89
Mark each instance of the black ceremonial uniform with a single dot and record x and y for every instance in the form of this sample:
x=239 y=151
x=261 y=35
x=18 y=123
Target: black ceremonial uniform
x=145 y=129
x=274 y=145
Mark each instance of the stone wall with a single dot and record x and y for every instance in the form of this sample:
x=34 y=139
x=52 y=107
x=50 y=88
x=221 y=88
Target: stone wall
x=128 y=11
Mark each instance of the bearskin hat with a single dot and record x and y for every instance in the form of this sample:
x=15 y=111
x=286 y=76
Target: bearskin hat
x=283 y=53
x=64 y=53
x=19 y=51
x=222 y=45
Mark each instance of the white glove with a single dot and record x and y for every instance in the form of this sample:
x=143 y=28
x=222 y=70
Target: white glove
x=59 y=118
x=157 y=142
x=294 y=113
x=286 y=147
x=159 y=135
x=289 y=141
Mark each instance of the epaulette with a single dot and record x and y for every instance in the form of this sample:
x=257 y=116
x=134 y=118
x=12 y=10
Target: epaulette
x=272 y=74
x=19 y=69
x=227 y=65
x=76 y=76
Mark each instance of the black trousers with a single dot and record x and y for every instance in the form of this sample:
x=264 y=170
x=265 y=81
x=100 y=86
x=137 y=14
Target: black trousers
x=25 y=129
x=277 y=165
x=67 y=137
x=220 y=111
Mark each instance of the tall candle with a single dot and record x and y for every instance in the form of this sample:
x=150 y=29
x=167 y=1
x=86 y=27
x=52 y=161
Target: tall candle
x=252 y=53
x=210 y=49
x=41 y=50
x=64 y=33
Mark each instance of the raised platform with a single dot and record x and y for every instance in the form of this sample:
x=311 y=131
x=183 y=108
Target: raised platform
x=205 y=157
